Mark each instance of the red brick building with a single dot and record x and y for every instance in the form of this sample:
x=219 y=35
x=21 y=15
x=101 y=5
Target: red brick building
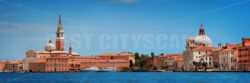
x=2 y=65
x=13 y=66
x=168 y=62
x=244 y=55
x=77 y=63
x=37 y=66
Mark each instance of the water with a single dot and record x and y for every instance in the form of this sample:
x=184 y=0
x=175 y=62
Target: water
x=127 y=77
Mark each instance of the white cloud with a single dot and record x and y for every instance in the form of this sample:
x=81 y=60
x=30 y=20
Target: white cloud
x=10 y=27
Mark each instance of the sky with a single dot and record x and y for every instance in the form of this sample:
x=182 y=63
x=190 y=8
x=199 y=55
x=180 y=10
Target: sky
x=107 y=26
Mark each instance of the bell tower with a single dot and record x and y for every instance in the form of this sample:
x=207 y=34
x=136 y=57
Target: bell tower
x=60 y=36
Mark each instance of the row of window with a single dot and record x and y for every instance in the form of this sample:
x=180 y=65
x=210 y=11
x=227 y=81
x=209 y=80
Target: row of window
x=52 y=65
x=198 y=56
x=207 y=58
x=227 y=53
x=244 y=61
x=44 y=56
x=246 y=55
x=205 y=52
x=57 y=60
x=243 y=49
x=58 y=69
x=231 y=59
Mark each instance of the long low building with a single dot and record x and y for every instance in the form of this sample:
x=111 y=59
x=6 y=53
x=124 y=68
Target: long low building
x=77 y=63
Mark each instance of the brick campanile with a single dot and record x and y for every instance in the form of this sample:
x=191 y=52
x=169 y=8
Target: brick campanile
x=60 y=36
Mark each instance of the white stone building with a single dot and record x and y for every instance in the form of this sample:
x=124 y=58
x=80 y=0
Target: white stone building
x=208 y=59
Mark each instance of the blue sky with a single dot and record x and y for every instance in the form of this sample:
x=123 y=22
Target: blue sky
x=26 y=24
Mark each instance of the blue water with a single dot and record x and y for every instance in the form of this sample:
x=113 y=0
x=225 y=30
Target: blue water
x=127 y=77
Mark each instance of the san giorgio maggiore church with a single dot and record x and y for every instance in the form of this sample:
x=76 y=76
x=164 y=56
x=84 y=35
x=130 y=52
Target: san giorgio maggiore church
x=55 y=59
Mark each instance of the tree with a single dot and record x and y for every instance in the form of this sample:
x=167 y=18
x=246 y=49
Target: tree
x=131 y=64
x=196 y=65
x=152 y=55
x=204 y=64
x=137 y=56
x=143 y=60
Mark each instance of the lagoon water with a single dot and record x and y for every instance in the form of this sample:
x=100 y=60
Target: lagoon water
x=127 y=77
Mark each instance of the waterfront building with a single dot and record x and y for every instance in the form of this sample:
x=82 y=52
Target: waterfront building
x=105 y=63
x=169 y=62
x=123 y=56
x=228 y=57
x=210 y=60
x=58 y=64
x=207 y=61
x=106 y=60
x=215 y=57
x=244 y=55
x=77 y=63
x=38 y=65
x=13 y=66
x=2 y=65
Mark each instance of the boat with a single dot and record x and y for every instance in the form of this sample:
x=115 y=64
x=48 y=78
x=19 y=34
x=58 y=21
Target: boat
x=91 y=69
x=108 y=69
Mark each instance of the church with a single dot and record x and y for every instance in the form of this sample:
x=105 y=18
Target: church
x=54 y=58
x=200 y=52
x=196 y=48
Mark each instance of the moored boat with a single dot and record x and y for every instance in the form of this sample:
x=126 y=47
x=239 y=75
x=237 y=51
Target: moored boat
x=91 y=69
x=108 y=69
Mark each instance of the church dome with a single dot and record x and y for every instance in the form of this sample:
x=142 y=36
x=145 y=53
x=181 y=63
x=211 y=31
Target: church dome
x=204 y=39
x=49 y=46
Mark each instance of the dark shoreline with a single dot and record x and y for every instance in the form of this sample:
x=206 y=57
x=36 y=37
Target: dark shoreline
x=140 y=71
